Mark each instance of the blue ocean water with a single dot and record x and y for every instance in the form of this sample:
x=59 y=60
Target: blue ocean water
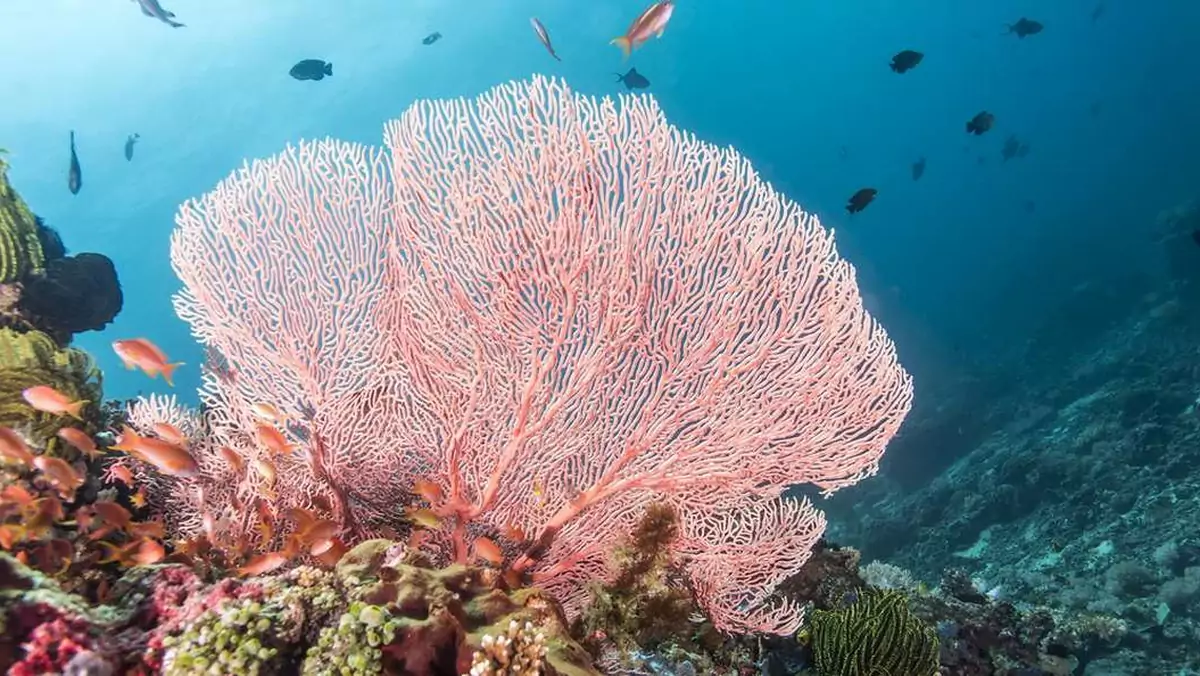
x=803 y=89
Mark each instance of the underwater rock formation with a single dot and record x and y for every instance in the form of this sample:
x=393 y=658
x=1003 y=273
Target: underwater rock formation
x=41 y=288
x=75 y=294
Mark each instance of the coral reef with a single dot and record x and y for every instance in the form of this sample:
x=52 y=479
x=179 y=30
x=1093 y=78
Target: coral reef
x=381 y=610
x=1080 y=498
x=644 y=604
x=33 y=358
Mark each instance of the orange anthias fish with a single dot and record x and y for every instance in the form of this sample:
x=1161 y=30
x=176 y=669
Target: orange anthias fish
x=114 y=516
x=142 y=552
x=234 y=460
x=165 y=456
x=145 y=355
x=80 y=441
x=269 y=413
x=431 y=492
x=328 y=552
x=119 y=472
x=62 y=475
x=13 y=447
x=274 y=440
x=170 y=433
x=489 y=551
x=49 y=400
x=650 y=23
x=265 y=563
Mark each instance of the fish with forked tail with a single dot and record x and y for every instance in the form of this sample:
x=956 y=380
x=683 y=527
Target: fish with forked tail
x=311 y=69
x=153 y=8
x=633 y=79
x=1025 y=27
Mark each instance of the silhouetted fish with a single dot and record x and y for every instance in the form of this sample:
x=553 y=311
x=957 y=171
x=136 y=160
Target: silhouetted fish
x=431 y=38
x=311 y=69
x=75 y=174
x=1011 y=147
x=1098 y=12
x=633 y=79
x=1030 y=206
x=1025 y=27
x=981 y=123
x=860 y=200
x=1196 y=237
x=544 y=36
x=1014 y=148
x=152 y=8
x=906 y=60
x=918 y=169
x=129 y=142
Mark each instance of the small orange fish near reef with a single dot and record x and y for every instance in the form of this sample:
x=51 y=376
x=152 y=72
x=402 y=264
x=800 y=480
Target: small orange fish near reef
x=142 y=354
x=165 y=456
x=49 y=400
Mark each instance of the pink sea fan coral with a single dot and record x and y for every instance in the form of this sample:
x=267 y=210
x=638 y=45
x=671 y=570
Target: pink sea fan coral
x=556 y=308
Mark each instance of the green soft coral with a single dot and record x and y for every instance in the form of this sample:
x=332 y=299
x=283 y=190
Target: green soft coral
x=231 y=639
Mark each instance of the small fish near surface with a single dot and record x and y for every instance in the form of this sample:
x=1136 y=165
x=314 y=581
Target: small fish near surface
x=153 y=8
x=129 y=143
x=981 y=123
x=906 y=61
x=650 y=24
x=74 y=174
x=543 y=36
x=1025 y=27
x=633 y=79
x=918 y=169
x=311 y=69
x=431 y=38
x=859 y=200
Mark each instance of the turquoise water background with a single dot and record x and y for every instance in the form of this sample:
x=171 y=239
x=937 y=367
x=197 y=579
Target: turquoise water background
x=801 y=88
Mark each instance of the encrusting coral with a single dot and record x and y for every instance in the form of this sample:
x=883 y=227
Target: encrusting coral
x=517 y=652
x=381 y=610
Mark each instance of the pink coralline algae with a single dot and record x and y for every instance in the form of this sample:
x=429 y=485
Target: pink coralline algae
x=556 y=309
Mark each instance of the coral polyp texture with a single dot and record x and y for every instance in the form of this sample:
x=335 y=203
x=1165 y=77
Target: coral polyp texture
x=529 y=315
